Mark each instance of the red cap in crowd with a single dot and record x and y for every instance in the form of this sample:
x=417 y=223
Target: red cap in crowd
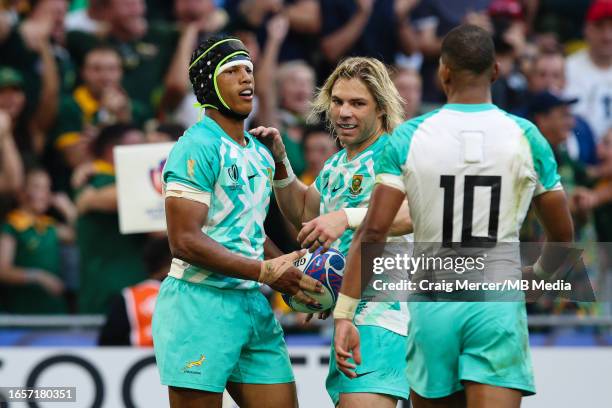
x=506 y=8
x=599 y=10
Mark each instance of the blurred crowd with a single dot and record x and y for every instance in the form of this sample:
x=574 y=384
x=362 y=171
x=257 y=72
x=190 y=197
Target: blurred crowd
x=79 y=77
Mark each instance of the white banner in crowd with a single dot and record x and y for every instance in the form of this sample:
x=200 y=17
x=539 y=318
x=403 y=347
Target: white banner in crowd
x=139 y=190
x=127 y=377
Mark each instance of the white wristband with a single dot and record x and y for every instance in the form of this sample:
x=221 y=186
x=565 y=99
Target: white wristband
x=290 y=175
x=355 y=216
x=345 y=307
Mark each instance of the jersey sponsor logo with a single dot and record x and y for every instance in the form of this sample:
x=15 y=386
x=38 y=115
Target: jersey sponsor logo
x=191 y=364
x=336 y=188
x=355 y=187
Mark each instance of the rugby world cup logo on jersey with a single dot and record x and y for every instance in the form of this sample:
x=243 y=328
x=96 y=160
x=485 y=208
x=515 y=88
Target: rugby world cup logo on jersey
x=155 y=175
x=233 y=173
x=355 y=187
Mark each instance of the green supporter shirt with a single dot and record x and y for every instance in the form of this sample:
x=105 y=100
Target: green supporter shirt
x=37 y=247
x=110 y=261
x=15 y=53
x=145 y=61
x=77 y=111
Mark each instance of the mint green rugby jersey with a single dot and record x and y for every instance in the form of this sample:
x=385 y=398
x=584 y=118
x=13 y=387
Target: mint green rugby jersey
x=496 y=160
x=206 y=159
x=344 y=183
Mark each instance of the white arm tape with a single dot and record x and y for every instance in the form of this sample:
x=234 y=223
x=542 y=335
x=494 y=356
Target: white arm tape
x=345 y=307
x=355 y=216
x=391 y=180
x=290 y=176
x=189 y=193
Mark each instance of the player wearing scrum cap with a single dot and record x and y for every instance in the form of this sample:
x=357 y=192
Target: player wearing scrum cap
x=362 y=107
x=212 y=328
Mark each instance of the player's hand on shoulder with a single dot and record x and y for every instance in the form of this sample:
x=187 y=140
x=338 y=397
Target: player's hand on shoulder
x=281 y=275
x=347 y=346
x=323 y=230
x=272 y=139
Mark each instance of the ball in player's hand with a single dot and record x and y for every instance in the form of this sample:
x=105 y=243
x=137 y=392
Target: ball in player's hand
x=326 y=267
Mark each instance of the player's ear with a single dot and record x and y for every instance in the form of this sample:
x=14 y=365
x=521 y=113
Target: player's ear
x=444 y=73
x=495 y=72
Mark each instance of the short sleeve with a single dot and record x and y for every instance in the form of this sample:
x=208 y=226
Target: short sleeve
x=544 y=162
x=390 y=165
x=193 y=165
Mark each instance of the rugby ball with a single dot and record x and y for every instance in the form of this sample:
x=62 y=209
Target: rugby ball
x=326 y=267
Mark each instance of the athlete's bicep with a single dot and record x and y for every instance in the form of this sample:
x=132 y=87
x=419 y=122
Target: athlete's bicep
x=402 y=223
x=184 y=219
x=553 y=212
x=385 y=202
x=311 y=204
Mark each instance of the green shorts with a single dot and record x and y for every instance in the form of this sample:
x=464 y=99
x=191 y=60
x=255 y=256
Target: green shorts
x=205 y=337
x=484 y=342
x=382 y=369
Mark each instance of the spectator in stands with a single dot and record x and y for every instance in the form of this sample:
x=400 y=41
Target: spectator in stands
x=110 y=261
x=431 y=20
x=284 y=92
x=318 y=147
x=553 y=118
x=295 y=87
x=11 y=167
x=147 y=50
x=128 y=321
x=30 y=264
x=589 y=72
x=35 y=42
x=99 y=101
x=548 y=74
x=552 y=115
x=368 y=28
x=410 y=87
x=89 y=19
x=599 y=198
x=303 y=21
x=197 y=20
x=204 y=13
x=28 y=124
x=509 y=89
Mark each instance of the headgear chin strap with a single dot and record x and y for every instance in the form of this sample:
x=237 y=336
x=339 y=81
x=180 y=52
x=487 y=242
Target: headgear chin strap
x=220 y=56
